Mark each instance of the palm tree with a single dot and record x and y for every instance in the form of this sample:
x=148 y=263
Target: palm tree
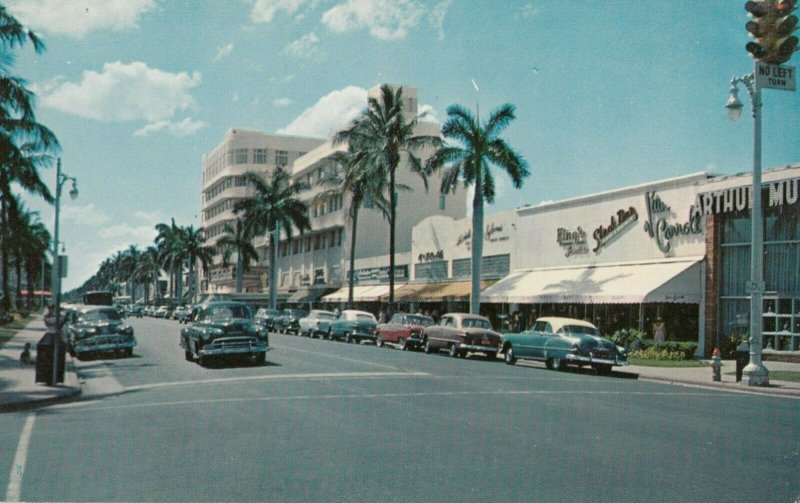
x=479 y=148
x=362 y=180
x=22 y=139
x=191 y=247
x=29 y=247
x=274 y=206
x=236 y=240
x=166 y=243
x=384 y=136
x=147 y=271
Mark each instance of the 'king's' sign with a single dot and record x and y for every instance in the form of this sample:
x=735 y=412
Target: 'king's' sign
x=775 y=76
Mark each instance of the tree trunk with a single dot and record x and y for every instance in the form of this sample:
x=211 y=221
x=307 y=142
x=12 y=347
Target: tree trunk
x=477 y=244
x=274 y=237
x=6 y=300
x=392 y=215
x=239 y=271
x=351 y=279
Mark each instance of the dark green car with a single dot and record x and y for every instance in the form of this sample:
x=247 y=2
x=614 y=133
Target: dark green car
x=563 y=341
x=224 y=330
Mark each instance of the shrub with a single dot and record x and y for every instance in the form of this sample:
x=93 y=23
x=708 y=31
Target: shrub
x=627 y=337
x=657 y=353
x=686 y=350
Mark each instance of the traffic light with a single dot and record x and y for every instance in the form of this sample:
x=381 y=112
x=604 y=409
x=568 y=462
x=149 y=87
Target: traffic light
x=772 y=27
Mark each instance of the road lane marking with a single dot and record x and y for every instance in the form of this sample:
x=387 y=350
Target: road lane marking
x=18 y=466
x=373 y=396
x=336 y=357
x=278 y=377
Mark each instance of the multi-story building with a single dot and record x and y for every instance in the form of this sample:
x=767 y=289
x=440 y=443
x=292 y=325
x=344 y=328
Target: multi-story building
x=223 y=184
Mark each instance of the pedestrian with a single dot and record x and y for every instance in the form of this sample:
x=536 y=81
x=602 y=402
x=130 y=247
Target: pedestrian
x=25 y=357
x=659 y=330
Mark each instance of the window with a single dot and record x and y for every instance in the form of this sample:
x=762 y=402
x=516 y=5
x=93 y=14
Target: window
x=281 y=158
x=241 y=156
x=260 y=156
x=442 y=202
x=229 y=156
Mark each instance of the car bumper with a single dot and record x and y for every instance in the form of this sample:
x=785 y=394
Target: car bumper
x=478 y=348
x=85 y=347
x=233 y=349
x=592 y=360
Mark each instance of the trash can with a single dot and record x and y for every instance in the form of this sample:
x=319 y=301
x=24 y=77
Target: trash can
x=50 y=342
x=742 y=355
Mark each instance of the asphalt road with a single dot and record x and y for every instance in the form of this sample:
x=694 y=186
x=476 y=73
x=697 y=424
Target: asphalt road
x=328 y=421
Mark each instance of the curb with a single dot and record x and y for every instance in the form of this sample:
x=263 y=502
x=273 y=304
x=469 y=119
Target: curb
x=771 y=391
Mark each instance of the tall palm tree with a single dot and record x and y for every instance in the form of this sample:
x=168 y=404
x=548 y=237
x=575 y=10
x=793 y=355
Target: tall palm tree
x=478 y=148
x=385 y=136
x=29 y=246
x=147 y=271
x=191 y=248
x=236 y=241
x=274 y=206
x=168 y=235
x=21 y=137
x=354 y=174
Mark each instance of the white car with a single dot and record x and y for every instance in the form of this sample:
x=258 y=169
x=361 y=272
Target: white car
x=309 y=326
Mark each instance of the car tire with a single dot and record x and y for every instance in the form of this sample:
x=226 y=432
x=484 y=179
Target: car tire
x=378 y=341
x=204 y=361
x=189 y=356
x=128 y=352
x=402 y=343
x=330 y=335
x=491 y=356
x=603 y=369
x=555 y=364
x=428 y=348
x=453 y=351
x=509 y=357
x=347 y=338
x=258 y=359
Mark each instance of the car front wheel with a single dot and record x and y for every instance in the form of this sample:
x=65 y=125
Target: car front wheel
x=509 y=357
x=454 y=352
x=379 y=341
x=428 y=348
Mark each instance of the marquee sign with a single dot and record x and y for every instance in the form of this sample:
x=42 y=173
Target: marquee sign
x=781 y=193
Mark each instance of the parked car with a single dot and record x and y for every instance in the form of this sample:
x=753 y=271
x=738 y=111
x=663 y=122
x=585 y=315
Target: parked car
x=461 y=333
x=351 y=326
x=181 y=313
x=224 y=329
x=403 y=329
x=266 y=317
x=289 y=321
x=309 y=325
x=135 y=311
x=563 y=341
x=92 y=330
x=160 y=312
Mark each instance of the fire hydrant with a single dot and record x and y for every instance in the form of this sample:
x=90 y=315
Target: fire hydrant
x=716 y=365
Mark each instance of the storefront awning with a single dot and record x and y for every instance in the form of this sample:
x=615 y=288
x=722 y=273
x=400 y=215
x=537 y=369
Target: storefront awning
x=671 y=280
x=306 y=295
x=361 y=293
x=434 y=292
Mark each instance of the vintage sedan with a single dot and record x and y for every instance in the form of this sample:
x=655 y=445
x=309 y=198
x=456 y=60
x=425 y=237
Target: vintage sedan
x=403 y=329
x=563 y=341
x=309 y=326
x=224 y=330
x=289 y=321
x=351 y=326
x=460 y=334
x=266 y=317
x=92 y=330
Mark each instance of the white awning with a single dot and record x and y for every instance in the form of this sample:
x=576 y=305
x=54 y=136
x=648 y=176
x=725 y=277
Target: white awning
x=671 y=280
x=361 y=293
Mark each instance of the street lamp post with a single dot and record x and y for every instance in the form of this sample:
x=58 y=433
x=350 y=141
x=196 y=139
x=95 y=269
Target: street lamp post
x=61 y=179
x=754 y=374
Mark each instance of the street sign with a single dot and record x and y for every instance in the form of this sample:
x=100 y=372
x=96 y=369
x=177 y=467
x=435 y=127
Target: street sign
x=775 y=76
x=62 y=265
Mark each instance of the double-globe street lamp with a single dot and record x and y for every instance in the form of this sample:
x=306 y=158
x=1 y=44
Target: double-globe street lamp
x=754 y=374
x=61 y=179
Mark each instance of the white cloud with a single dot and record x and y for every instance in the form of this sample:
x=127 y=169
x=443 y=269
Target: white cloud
x=77 y=18
x=437 y=17
x=186 y=127
x=264 y=10
x=121 y=92
x=223 y=51
x=330 y=114
x=385 y=19
x=282 y=102
x=305 y=47
x=530 y=11
x=87 y=215
x=427 y=113
x=133 y=234
x=148 y=216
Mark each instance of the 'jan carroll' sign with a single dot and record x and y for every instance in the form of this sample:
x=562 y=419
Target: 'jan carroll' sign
x=662 y=230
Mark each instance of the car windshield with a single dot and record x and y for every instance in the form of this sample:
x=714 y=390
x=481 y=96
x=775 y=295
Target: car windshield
x=414 y=319
x=326 y=316
x=101 y=315
x=476 y=323
x=579 y=330
x=227 y=312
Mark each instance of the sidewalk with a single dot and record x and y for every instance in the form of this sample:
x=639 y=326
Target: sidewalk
x=18 y=391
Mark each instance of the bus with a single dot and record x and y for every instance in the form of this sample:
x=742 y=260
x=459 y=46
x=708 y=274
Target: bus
x=98 y=298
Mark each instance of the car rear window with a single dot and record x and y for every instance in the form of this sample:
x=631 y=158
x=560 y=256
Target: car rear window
x=101 y=315
x=579 y=330
x=476 y=323
x=365 y=317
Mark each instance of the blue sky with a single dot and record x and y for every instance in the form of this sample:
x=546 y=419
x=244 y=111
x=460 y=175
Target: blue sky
x=608 y=93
